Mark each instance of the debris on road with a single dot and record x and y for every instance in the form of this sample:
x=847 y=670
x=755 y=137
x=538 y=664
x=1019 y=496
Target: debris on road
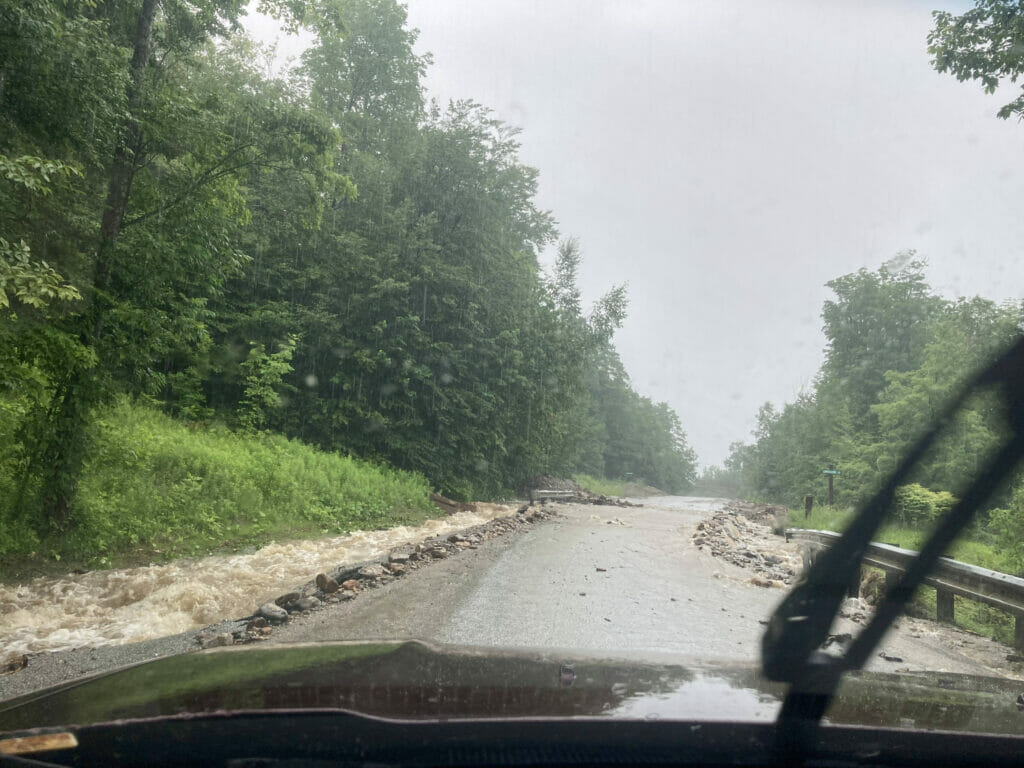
x=742 y=534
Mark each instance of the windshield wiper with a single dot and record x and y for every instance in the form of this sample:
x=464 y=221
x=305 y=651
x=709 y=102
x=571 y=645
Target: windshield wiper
x=800 y=625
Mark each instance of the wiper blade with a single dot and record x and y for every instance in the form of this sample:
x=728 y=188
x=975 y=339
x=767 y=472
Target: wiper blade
x=801 y=623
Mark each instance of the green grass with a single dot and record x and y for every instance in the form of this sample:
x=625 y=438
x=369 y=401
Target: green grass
x=599 y=485
x=822 y=518
x=154 y=488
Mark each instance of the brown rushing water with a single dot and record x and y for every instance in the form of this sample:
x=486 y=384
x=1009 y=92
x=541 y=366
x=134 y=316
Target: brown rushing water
x=132 y=604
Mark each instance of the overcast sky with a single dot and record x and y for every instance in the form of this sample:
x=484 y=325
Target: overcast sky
x=726 y=159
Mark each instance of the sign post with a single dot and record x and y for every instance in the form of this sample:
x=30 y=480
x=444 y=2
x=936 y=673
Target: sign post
x=831 y=472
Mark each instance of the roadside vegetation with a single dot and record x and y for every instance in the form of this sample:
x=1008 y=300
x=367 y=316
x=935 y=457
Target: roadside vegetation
x=600 y=485
x=319 y=256
x=895 y=353
x=153 y=488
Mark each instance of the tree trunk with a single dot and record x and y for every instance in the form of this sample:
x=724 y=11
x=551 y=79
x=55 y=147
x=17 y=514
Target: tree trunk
x=64 y=457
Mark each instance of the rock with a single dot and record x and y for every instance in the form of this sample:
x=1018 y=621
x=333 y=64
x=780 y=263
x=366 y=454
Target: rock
x=266 y=631
x=283 y=600
x=346 y=595
x=216 y=641
x=872 y=587
x=731 y=531
x=258 y=623
x=13 y=664
x=455 y=538
x=371 y=571
x=438 y=552
x=462 y=544
x=760 y=581
x=326 y=584
x=307 y=603
x=397 y=568
x=273 y=613
x=841 y=639
x=398 y=557
x=351 y=585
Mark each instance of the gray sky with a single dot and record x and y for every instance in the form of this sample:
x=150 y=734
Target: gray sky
x=726 y=159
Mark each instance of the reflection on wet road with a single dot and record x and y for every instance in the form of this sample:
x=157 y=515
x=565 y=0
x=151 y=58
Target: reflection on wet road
x=609 y=579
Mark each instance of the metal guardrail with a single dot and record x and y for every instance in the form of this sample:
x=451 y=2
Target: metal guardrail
x=949 y=578
x=535 y=495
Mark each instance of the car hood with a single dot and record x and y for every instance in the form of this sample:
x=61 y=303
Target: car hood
x=413 y=680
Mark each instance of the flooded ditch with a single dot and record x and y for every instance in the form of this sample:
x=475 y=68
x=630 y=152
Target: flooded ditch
x=132 y=604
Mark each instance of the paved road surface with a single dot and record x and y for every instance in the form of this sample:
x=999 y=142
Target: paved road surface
x=606 y=579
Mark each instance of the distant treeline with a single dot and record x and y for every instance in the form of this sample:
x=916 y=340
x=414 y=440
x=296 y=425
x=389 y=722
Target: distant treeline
x=895 y=354
x=321 y=254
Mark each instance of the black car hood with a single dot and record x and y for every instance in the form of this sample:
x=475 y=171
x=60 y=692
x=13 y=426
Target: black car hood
x=413 y=680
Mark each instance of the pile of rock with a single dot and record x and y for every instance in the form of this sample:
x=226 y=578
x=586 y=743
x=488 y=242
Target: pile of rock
x=346 y=582
x=741 y=534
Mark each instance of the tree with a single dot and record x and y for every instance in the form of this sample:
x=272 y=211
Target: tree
x=986 y=44
x=165 y=236
x=878 y=322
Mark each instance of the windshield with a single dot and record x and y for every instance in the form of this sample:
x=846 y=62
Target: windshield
x=568 y=328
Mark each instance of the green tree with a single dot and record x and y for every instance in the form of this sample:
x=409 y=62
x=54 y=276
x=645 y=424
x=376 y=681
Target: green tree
x=985 y=44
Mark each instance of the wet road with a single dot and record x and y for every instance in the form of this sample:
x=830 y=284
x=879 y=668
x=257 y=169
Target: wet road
x=616 y=581
x=606 y=579
x=610 y=579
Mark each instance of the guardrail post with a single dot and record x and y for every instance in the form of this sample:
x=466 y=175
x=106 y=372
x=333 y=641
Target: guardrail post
x=1018 y=632
x=943 y=605
x=853 y=588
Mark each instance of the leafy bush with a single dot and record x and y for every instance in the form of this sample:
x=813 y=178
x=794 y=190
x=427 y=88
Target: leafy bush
x=915 y=505
x=1007 y=526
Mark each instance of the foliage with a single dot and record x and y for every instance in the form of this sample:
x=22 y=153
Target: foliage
x=1007 y=525
x=321 y=255
x=915 y=506
x=896 y=355
x=156 y=488
x=263 y=376
x=599 y=485
x=985 y=43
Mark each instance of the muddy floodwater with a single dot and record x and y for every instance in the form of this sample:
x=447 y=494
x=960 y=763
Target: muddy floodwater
x=132 y=604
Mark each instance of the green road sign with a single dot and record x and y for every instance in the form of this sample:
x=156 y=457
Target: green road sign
x=831 y=472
